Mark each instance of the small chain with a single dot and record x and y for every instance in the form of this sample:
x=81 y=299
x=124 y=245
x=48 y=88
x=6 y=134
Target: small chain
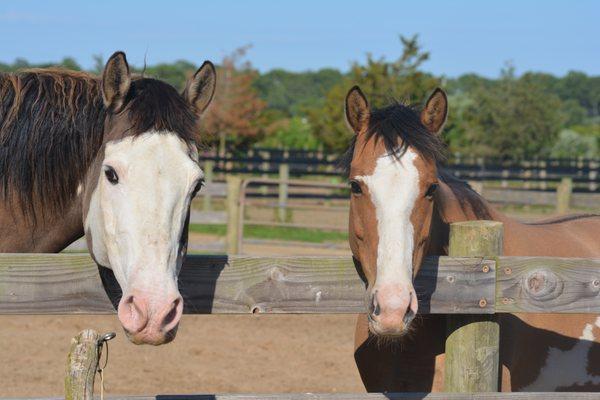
x=103 y=342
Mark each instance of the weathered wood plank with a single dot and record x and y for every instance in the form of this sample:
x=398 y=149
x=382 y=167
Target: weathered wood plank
x=472 y=344
x=69 y=283
x=51 y=284
x=363 y=396
x=82 y=364
x=548 y=284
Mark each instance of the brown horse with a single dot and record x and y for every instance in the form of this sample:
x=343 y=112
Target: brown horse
x=401 y=206
x=114 y=158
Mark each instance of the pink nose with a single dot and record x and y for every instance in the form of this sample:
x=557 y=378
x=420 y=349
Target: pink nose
x=391 y=310
x=148 y=322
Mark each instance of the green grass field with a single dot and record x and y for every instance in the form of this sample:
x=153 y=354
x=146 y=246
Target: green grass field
x=275 y=233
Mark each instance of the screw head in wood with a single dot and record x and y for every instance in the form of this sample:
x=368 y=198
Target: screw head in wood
x=482 y=303
x=485 y=269
x=507 y=271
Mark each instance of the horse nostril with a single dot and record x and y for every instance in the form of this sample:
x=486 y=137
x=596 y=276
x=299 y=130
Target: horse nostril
x=375 y=308
x=410 y=314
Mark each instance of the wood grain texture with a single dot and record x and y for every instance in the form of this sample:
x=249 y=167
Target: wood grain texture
x=472 y=344
x=51 y=284
x=82 y=364
x=548 y=284
x=365 y=396
x=69 y=283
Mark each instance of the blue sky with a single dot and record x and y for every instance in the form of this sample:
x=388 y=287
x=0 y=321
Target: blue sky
x=462 y=36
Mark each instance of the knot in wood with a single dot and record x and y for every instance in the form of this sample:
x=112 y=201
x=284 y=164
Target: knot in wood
x=541 y=284
x=257 y=310
x=450 y=278
x=276 y=274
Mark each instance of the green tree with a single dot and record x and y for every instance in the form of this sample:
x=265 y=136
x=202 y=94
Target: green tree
x=291 y=92
x=517 y=117
x=291 y=133
x=571 y=144
x=381 y=81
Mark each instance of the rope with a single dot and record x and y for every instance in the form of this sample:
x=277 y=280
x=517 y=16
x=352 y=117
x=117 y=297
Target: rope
x=103 y=342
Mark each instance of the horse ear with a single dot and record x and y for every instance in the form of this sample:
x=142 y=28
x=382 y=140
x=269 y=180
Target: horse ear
x=357 y=110
x=435 y=113
x=115 y=81
x=200 y=88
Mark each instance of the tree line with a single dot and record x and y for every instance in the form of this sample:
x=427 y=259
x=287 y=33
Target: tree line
x=512 y=116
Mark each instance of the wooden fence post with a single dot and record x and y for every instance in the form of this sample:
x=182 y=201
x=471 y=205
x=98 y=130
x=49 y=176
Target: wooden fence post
x=472 y=354
x=233 y=211
x=563 y=195
x=284 y=175
x=82 y=364
x=209 y=166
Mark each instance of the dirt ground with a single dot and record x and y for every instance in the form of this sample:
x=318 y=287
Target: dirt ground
x=211 y=354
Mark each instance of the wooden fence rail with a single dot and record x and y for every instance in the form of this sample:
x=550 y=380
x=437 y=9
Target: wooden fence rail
x=69 y=284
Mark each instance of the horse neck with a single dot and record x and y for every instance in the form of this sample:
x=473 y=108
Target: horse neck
x=44 y=233
x=448 y=208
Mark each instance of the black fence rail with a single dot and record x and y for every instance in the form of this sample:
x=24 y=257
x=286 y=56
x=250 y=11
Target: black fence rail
x=541 y=174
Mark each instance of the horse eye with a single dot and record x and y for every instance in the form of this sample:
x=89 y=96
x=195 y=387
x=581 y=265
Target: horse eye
x=111 y=175
x=431 y=190
x=199 y=186
x=355 y=187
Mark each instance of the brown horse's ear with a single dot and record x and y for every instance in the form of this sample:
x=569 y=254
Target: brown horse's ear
x=435 y=113
x=200 y=88
x=357 y=110
x=115 y=81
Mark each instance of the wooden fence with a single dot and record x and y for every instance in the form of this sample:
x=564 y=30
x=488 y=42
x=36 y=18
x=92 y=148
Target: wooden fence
x=471 y=288
x=540 y=173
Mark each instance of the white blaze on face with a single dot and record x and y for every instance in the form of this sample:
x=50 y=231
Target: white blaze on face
x=393 y=189
x=136 y=224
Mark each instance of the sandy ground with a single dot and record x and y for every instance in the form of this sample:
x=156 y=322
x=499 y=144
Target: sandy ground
x=211 y=354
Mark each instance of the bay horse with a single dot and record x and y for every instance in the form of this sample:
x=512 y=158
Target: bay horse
x=402 y=202
x=114 y=158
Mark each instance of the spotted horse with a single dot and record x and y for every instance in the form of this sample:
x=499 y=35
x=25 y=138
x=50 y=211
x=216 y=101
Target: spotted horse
x=402 y=202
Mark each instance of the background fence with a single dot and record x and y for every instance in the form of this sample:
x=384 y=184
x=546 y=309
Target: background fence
x=541 y=174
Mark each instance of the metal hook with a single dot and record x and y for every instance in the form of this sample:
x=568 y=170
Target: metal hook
x=102 y=342
x=106 y=337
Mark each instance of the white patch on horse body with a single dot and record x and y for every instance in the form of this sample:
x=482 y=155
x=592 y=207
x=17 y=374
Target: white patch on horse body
x=569 y=367
x=394 y=187
x=136 y=224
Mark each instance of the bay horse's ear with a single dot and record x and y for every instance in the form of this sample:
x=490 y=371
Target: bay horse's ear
x=200 y=88
x=115 y=81
x=435 y=113
x=357 y=110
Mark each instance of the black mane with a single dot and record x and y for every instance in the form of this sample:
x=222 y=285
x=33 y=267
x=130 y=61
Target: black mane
x=400 y=127
x=52 y=126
